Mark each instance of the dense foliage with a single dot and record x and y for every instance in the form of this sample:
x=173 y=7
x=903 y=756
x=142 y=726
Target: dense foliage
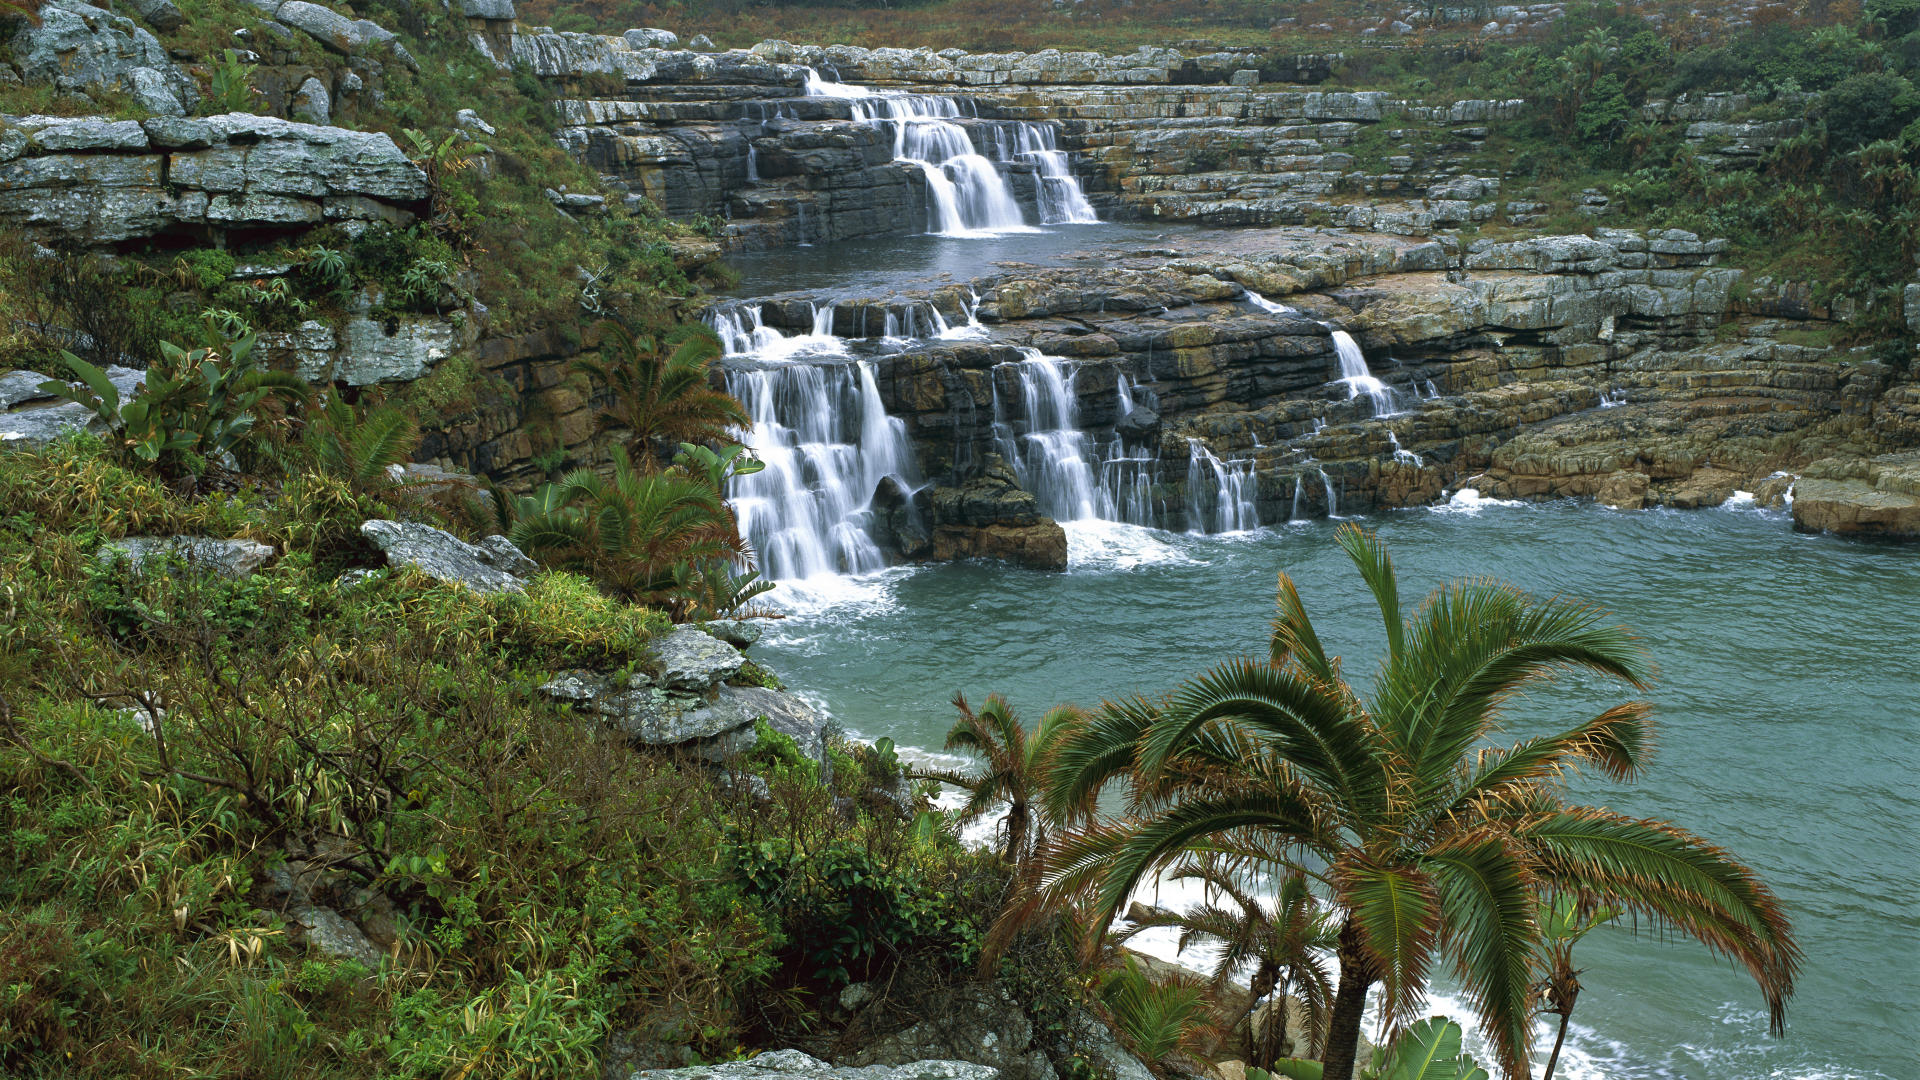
x=176 y=746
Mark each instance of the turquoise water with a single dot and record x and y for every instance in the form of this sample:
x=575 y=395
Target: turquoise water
x=1789 y=701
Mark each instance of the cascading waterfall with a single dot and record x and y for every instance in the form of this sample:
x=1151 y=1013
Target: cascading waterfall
x=1072 y=476
x=1267 y=305
x=1400 y=454
x=1061 y=200
x=1359 y=380
x=822 y=430
x=1333 y=504
x=1229 y=487
x=966 y=193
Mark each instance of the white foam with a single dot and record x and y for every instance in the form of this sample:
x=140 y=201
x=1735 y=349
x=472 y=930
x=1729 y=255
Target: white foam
x=1093 y=544
x=1469 y=501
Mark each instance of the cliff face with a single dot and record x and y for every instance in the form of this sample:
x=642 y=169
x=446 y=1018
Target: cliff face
x=1618 y=367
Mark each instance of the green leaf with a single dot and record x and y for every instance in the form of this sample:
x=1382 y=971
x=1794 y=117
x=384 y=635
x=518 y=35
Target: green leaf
x=1294 y=1069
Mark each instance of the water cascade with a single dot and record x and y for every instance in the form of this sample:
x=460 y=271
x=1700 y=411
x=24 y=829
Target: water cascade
x=1061 y=200
x=1359 y=380
x=966 y=193
x=1400 y=454
x=1068 y=471
x=1267 y=305
x=1333 y=504
x=826 y=438
x=1229 y=486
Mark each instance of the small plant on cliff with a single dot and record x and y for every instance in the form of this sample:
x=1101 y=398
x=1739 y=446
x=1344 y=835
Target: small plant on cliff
x=230 y=87
x=1433 y=844
x=192 y=408
x=660 y=391
x=630 y=530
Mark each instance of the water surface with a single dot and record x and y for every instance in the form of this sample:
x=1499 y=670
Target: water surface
x=1789 y=676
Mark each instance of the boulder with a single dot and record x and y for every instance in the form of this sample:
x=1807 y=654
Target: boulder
x=715 y=725
x=227 y=171
x=491 y=10
x=980 y=1023
x=81 y=48
x=446 y=557
x=694 y=660
x=649 y=38
x=1855 y=508
x=162 y=15
x=784 y=1064
x=311 y=102
x=27 y=422
x=228 y=558
x=333 y=934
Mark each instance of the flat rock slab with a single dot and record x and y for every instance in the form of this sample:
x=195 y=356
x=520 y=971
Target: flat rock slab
x=228 y=558
x=783 y=1063
x=715 y=727
x=30 y=421
x=494 y=565
x=1855 y=508
x=692 y=659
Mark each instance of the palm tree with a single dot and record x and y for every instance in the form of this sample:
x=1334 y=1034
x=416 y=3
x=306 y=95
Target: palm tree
x=1562 y=924
x=1433 y=843
x=1014 y=763
x=1286 y=949
x=659 y=388
x=630 y=530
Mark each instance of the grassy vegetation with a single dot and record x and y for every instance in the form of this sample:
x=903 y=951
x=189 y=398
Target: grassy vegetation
x=539 y=884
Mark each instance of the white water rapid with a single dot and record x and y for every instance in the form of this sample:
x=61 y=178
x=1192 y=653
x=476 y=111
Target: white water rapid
x=967 y=193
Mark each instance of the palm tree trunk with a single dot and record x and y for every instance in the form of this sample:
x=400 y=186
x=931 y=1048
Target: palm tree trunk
x=1554 y=1058
x=1349 y=1007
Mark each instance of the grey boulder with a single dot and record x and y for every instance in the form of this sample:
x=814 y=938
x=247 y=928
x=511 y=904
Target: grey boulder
x=785 y=1063
x=28 y=422
x=692 y=659
x=445 y=557
x=311 y=102
x=650 y=38
x=977 y=1023
x=228 y=558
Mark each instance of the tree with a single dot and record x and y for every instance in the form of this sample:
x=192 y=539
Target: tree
x=660 y=394
x=1434 y=845
x=1014 y=762
x=1285 y=948
x=1563 y=922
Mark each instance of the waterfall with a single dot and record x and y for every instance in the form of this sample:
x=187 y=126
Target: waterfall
x=827 y=441
x=1232 y=489
x=1062 y=202
x=966 y=193
x=1333 y=504
x=1051 y=456
x=1403 y=456
x=1267 y=305
x=1074 y=476
x=1359 y=380
x=1299 y=482
x=1613 y=398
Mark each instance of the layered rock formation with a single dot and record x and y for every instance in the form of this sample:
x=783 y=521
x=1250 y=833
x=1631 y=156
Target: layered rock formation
x=117 y=181
x=1617 y=366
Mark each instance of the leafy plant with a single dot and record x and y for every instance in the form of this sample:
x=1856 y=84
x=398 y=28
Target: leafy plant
x=1427 y=1050
x=361 y=446
x=193 y=401
x=1156 y=1018
x=660 y=390
x=1286 y=949
x=1016 y=763
x=230 y=87
x=630 y=530
x=1564 y=920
